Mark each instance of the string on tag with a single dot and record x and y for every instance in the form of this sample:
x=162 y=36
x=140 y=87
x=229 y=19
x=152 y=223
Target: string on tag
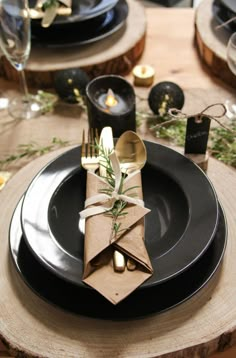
x=225 y=23
x=177 y=114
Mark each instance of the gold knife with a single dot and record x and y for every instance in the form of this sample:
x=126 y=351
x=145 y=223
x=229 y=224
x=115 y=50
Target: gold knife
x=107 y=142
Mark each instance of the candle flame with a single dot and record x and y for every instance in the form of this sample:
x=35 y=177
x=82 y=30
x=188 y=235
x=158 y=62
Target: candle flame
x=110 y=99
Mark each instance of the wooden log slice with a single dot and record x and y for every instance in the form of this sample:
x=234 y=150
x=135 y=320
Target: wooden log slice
x=116 y=54
x=204 y=324
x=212 y=42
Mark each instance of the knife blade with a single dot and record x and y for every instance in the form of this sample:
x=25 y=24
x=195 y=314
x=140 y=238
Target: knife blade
x=107 y=143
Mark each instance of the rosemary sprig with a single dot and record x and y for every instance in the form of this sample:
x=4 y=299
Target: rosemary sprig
x=49 y=3
x=31 y=150
x=117 y=211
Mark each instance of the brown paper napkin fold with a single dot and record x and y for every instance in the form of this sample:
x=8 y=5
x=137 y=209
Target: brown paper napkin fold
x=99 y=245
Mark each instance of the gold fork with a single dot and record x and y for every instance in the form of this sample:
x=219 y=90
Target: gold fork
x=89 y=152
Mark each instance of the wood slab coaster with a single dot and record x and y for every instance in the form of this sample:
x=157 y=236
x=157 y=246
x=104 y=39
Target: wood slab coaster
x=116 y=54
x=212 y=43
x=202 y=325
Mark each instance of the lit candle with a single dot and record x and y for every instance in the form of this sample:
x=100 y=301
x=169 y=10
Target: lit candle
x=111 y=103
x=143 y=75
x=111 y=100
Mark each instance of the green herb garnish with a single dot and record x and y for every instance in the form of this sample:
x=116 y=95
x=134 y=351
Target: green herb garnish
x=117 y=211
x=32 y=150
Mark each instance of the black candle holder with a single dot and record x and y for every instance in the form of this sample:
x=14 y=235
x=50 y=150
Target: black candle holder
x=122 y=116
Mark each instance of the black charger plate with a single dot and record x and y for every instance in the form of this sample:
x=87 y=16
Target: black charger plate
x=81 y=33
x=179 y=228
x=223 y=14
x=88 y=302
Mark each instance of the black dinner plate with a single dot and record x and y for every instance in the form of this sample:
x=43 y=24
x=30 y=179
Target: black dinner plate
x=82 y=10
x=179 y=228
x=90 y=303
x=223 y=14
x=82 y=33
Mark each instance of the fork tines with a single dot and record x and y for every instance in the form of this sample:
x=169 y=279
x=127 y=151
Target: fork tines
x=89 y=148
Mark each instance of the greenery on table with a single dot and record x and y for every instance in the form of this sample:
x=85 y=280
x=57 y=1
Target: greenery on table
x=32 y=150
x=221 y=144
x=47 y=100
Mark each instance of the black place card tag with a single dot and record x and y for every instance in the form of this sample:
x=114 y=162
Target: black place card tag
x=197 y=133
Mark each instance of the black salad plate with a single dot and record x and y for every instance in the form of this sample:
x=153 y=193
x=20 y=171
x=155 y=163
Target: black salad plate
x=90 y=303
x=81 y=10
x=181 y=225
x=82 y=33
x=222 y=14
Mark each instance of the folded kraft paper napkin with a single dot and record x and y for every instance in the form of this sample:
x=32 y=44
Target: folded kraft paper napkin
x=105 y=232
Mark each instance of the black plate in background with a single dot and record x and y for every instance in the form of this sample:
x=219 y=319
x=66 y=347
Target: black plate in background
x=90 y=303
x=230 y=4
x=179 y=228
x=81 y=10
x=222 y=14
x=87 y=32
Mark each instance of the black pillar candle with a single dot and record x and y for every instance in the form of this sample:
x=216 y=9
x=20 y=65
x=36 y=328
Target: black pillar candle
x=111 y=102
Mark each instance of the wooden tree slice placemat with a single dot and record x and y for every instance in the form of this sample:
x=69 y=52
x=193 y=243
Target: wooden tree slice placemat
x=212 y=43
x=204 y=324
x=116 y=54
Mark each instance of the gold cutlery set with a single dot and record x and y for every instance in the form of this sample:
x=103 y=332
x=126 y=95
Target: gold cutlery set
x=48 y=11
x=131 y=153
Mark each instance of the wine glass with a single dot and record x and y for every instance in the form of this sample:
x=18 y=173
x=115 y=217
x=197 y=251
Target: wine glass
x=15 y=43
x=231 y=61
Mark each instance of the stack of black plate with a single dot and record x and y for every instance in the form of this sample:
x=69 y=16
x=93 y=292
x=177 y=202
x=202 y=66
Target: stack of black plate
x=185 y=235
x=225 y=10
x=90 y=21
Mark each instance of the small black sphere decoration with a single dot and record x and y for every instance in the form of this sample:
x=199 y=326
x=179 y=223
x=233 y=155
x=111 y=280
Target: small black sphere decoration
x=165 y=95
x=66 y=81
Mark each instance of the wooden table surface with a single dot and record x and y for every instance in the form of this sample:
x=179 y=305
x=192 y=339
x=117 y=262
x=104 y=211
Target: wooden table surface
x=171 y=50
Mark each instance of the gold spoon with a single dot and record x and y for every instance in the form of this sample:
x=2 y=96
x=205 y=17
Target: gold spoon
x=132 y=155
x=131 y=152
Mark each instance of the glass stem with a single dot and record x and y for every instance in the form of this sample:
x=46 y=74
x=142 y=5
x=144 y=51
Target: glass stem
x=24 y=84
